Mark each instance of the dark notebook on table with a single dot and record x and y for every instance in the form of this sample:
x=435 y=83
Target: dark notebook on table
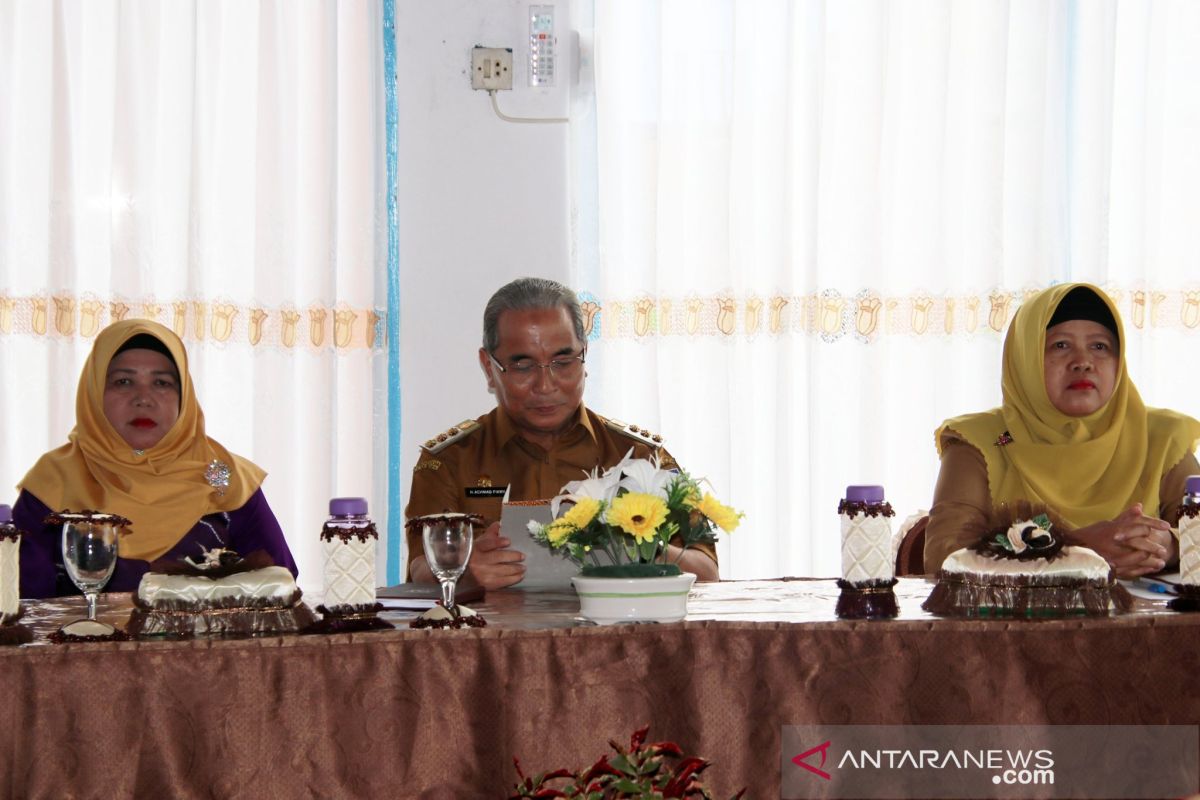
x=425 y=595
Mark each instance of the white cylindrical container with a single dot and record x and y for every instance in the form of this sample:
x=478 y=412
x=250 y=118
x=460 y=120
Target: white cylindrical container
x=10 y=567
x=348 y=541
x=866 y=536
x=1189 y=534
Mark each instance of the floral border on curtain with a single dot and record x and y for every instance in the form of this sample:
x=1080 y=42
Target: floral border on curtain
x=866 y=316
x=315 y=327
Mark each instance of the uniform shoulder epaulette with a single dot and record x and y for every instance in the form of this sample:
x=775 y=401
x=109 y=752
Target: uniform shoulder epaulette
x=634 y=432
x=450 y=436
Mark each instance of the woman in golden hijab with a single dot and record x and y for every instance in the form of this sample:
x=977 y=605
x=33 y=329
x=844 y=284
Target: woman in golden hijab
x=1073 y=435
x=139 y=450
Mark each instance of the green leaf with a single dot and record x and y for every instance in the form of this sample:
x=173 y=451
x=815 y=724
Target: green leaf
x=626 y=785
x=642 y=570
x=621 y=764
x=647 y=550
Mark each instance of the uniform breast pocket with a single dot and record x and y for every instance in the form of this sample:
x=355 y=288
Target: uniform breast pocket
x=484 y=501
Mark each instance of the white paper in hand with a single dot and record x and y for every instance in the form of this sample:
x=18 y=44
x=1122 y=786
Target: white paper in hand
x=544 y=568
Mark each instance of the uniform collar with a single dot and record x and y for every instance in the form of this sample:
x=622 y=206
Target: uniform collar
x=506 y=429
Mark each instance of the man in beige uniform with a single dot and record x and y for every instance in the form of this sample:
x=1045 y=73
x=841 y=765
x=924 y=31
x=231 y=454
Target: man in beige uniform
x=538 y=438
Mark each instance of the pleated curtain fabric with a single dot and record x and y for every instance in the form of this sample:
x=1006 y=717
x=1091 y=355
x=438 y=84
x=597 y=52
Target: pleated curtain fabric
x=215 y=167
x=814 y=220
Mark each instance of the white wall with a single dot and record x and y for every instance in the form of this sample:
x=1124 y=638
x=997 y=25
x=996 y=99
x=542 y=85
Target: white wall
x=481 y=201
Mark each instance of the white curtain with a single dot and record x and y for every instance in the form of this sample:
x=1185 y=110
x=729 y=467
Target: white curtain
x=218 y=167
x=816 y=218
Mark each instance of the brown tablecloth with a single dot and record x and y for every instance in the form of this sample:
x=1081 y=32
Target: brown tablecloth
x=409 y=713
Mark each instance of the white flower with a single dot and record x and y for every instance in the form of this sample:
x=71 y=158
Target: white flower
x=596 y=486
x=1028 y=533
x=1016 y=542
x=645 y=476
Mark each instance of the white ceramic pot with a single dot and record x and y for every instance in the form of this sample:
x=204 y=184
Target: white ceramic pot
x=606 y=601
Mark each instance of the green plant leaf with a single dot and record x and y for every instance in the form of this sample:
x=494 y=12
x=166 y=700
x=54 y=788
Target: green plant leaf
x=629 y=787
x=634 y=570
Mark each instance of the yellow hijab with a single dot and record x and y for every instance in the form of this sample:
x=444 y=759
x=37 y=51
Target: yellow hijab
x=164 y=492
x=1088 y=468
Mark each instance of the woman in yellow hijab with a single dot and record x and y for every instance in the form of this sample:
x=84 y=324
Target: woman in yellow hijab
x=1073 y=435
x=139 y=450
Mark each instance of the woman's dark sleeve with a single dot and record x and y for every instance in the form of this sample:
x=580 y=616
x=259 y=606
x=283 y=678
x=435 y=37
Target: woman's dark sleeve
x=254 y=527
x=39 y=548
x=961 y=503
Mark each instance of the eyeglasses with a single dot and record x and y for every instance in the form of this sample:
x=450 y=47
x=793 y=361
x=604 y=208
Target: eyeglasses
x=562 y=368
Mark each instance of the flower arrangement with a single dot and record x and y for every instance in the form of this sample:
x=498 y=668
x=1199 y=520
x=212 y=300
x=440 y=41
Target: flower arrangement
x=627 y=515
x=1022 y=531
x=639 y=772
x=1033 y=534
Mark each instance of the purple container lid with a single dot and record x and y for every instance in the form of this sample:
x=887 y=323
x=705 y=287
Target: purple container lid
x=1193 y=484
x=347 y=506
x=6 y=513
x=864 y=494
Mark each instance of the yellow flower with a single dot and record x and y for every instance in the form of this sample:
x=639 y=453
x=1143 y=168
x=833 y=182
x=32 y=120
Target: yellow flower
x=638 y=514
x=725 y=517
x=582 y=513
x=558 y=532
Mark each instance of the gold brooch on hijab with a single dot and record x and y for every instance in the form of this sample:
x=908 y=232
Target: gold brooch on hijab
x=217 y=474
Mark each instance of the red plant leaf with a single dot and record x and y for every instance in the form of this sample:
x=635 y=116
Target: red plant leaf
x=601 y=767
x=665 y=749
x=690 y=765
x=626 y=774
x=639 y=736
x=682 y=781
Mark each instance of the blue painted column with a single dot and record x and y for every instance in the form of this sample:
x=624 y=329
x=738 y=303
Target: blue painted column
x=395 y=520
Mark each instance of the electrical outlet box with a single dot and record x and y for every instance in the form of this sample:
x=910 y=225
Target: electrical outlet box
x=491 y=68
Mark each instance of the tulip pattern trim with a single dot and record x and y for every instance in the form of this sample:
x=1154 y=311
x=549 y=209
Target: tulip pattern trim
x=866 y=316
x=316 y=327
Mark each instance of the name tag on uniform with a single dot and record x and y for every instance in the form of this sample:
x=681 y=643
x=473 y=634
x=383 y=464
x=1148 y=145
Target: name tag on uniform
x=486 y=491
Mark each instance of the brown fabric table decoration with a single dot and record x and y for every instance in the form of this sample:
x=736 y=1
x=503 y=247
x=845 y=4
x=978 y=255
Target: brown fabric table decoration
x=368 y=715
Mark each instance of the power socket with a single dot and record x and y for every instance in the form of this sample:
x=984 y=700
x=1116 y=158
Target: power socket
x=491 y=68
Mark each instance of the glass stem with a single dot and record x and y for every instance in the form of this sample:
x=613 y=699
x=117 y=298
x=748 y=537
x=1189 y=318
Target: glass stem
x=91 y=601
x=448 y=594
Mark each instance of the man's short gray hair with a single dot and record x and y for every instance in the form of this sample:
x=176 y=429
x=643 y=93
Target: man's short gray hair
x=526 y=294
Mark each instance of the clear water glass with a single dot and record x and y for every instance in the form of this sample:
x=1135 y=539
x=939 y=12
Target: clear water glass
x=448 y=542
x=89 y=550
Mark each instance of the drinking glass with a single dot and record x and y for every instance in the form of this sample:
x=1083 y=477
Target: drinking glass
x=448 y=541
x=89 y=547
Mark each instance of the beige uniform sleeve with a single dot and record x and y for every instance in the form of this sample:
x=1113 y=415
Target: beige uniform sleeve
x=1170 y=491
x=433 y=490
x=961 y=503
